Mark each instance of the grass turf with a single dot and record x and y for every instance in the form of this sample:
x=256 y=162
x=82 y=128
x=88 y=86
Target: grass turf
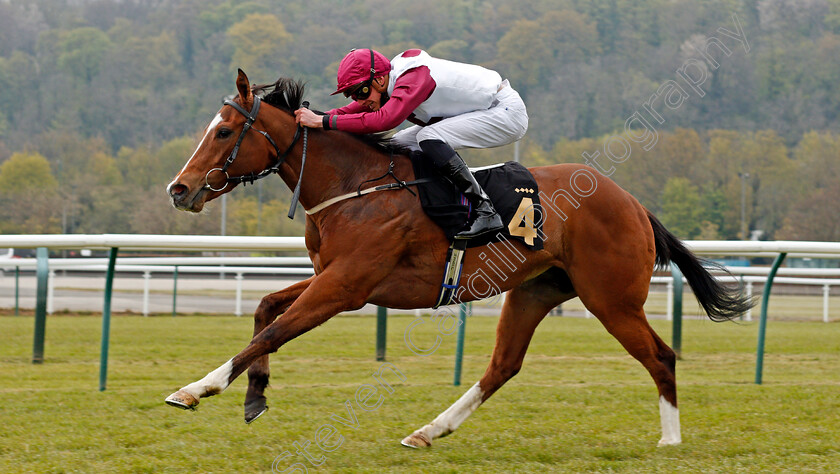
x=580 y=404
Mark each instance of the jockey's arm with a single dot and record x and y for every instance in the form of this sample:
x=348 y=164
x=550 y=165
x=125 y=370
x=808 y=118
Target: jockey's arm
x=351 y=108
x=410 y=90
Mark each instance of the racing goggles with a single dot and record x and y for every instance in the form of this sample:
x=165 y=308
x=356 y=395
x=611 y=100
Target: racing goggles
x=359 y=92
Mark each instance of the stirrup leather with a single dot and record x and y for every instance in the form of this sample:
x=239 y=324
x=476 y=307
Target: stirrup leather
x=452 y=273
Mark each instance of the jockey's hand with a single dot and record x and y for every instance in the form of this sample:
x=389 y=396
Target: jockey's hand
x=308 y=118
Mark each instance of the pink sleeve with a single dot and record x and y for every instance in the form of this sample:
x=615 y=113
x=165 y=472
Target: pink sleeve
x=351 y=108
x=410 y=90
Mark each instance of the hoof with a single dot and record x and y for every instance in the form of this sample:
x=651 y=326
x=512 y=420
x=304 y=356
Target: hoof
x=666 y=442
x=254 y=409
x=416 y=440
x=183 y=400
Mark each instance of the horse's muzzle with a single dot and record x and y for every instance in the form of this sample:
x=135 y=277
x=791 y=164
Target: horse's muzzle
x=182 y=198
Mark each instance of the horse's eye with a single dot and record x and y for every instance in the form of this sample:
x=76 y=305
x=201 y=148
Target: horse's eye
x=224 y=133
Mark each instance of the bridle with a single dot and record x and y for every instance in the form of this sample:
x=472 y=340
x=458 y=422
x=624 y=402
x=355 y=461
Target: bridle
x=279 y=157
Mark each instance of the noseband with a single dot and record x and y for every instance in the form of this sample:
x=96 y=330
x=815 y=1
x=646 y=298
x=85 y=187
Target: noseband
x=250 y=177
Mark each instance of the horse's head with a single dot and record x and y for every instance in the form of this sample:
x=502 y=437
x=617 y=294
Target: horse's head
x=227 y=154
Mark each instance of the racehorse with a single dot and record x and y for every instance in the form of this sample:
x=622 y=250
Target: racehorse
x=600 y=244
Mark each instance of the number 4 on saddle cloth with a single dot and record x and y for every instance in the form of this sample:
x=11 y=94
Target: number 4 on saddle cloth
x=514 y=194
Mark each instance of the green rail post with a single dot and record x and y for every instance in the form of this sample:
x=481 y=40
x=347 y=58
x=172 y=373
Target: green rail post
x=677 y=308
x=175 y=290
x=762 y=325
x=459 y=347
x=43 y=274
x=17 y=291
x=106 y=320
x=381 y=331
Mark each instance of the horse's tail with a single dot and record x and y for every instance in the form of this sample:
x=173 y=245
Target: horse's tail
x=721 y=303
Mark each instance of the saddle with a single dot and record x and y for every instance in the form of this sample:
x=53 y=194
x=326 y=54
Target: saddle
x=510 y=186
x=512 y=190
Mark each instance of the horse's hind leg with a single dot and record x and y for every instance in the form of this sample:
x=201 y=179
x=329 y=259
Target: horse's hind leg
x=623 y=316
x=631 y=329
x=524 y=308
x=270 y=307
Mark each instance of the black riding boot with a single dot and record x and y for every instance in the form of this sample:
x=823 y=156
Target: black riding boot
x=452 y=166
x=486 y=217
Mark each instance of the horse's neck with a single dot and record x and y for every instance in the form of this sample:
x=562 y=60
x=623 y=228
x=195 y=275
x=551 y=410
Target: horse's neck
x=336 y=163
x=351 y=160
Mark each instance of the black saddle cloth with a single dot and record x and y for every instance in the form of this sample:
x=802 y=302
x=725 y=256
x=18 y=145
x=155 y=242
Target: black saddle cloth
x=509 y=185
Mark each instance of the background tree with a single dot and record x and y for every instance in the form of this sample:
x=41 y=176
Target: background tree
x=681 y=208
x=82 y=52
x=259 y=42
x=97 y=84
x=151 y=213
x=533 y=50
x=814 y=218
x=29 y=195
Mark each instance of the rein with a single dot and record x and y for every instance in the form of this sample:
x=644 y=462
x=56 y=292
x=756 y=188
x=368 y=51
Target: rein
x=362 y=192
x=280 y=158
x=296 y=194
x=397 y=184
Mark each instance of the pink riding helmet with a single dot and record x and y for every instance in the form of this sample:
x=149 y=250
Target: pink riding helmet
x=355 y=68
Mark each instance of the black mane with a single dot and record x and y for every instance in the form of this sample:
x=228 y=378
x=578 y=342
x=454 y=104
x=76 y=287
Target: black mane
x=287 y=94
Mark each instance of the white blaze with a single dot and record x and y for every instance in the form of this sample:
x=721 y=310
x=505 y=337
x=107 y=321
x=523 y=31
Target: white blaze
x=210 y=128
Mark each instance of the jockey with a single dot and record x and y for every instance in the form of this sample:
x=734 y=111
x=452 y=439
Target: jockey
x=452 y=105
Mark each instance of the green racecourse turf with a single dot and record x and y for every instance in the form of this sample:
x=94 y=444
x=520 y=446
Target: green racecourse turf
x=580 y=404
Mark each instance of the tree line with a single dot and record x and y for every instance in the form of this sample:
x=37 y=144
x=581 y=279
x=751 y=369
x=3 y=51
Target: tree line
x=100 y=100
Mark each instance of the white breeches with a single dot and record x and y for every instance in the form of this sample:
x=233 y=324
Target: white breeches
x=503 y=123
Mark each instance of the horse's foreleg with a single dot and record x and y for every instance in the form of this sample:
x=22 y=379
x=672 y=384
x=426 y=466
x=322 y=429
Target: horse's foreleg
x=270 y=307
x=524 y=308
x=325 y=297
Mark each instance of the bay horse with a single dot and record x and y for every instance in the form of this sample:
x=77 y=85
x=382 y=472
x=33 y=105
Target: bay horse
x=600 y=244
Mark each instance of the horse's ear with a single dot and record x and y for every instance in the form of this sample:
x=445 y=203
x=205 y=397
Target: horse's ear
x=244 y=87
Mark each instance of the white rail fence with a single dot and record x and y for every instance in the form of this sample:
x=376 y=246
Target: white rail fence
x=295 y=267
x=750 y=281
x=301 y=266
x=114 y=242
x=238 y=266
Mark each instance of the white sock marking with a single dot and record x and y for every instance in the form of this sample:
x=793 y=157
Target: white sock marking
x=451 y=419
x=670 y=417
x=212 y=383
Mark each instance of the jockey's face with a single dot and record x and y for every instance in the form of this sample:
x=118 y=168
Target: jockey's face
x=374 y=101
